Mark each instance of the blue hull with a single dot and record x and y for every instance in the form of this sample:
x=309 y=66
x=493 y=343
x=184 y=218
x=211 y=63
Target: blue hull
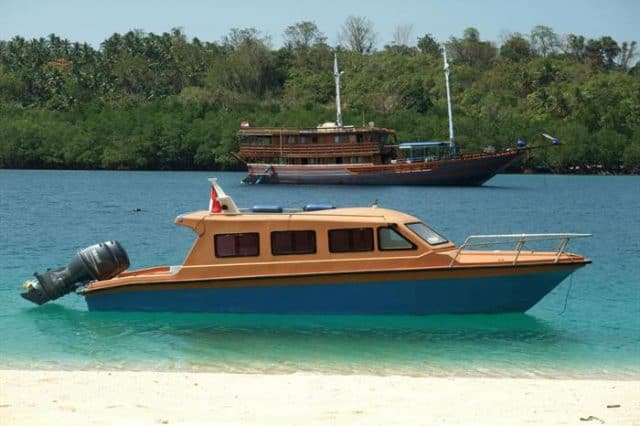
x=516 y=293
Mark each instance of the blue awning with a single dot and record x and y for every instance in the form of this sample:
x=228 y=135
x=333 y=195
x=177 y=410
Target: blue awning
x=410 y=145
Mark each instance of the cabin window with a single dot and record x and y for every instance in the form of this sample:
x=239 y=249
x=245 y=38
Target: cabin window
x=257 y=140
x=390 y=239
x=379 y=137
x=349 y=240
x=293 y=242
x=426 y=233
x=237 y=245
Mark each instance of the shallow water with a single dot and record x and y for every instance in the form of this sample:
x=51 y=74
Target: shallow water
x=588 y=327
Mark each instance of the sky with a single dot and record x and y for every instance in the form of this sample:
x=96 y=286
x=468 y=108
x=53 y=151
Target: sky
x=93 y=21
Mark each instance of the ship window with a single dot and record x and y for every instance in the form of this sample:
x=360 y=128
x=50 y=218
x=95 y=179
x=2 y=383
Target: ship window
x=348 y=240
x=379 y=137
x=237 y=245
x=390 y=239
x=293 y=242
x=426 y=233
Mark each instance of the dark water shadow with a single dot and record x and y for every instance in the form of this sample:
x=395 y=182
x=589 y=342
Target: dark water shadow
x=55 y=318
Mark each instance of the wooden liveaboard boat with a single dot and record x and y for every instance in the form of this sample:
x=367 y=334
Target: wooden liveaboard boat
x=316 y=260
x=333 y=153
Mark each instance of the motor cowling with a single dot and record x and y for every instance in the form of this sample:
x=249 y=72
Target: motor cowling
x=95 y=263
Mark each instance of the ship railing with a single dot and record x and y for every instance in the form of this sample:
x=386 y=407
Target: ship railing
x=309 y=149
x=447 y=157
x=520 y=240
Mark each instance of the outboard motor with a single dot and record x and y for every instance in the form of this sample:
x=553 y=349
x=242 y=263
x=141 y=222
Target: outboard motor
x=97 y=262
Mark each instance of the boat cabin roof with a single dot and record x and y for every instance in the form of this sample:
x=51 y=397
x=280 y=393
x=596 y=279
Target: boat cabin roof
x=370 y=215
x=269 y=131
x=225 y=220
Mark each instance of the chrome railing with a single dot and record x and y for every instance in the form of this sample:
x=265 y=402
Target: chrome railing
x=519 y=240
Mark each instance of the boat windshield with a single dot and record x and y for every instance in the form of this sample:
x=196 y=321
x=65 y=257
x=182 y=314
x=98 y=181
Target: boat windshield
x=426 y=233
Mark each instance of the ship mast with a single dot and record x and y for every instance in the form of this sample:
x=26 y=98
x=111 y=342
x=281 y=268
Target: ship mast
x=336 y=75
x=452 y=138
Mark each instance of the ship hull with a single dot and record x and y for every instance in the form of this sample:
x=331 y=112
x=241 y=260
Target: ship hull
x=374 y=293
x=456 y=172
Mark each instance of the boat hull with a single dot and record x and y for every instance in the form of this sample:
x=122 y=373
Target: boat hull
x=365 y=294
x=472 y=171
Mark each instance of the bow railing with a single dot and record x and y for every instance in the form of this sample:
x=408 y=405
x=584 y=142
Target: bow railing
x=519 y=240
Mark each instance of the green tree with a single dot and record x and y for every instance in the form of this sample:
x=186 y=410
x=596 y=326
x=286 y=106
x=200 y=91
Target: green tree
x=428 y=45
x=544 y=40
x=575 y=47
x=303 y=35
x=516 y=48
x=470 y=50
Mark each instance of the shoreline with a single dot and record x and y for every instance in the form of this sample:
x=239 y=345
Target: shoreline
x=147 y=397
x=440 y=372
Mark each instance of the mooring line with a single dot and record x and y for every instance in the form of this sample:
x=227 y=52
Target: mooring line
x=566 y=298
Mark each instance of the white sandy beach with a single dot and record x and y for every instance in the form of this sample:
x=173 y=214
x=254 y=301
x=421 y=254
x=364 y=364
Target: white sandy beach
x=152 y=398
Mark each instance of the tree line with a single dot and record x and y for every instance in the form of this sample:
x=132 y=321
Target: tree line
x=152 y=102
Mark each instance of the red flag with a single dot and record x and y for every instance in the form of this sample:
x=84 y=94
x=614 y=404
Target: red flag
x=214 y=203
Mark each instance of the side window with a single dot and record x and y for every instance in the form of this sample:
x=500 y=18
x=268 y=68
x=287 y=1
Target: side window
x=237 y=245
x=349 y=240
x=390 y=239
x=293 y=242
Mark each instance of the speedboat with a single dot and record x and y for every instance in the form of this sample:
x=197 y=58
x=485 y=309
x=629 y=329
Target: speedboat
x=317 y=260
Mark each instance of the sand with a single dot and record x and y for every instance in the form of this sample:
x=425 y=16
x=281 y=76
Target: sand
x=154 y=398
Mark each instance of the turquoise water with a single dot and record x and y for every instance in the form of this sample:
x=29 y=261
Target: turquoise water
x=588 y=327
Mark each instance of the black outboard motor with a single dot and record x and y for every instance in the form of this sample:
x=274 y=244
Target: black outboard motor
x=97 y=262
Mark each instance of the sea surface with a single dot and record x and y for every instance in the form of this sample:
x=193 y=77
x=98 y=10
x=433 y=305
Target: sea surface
x=587 y=327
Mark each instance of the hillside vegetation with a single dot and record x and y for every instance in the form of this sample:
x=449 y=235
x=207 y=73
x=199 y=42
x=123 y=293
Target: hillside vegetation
x=147 y=101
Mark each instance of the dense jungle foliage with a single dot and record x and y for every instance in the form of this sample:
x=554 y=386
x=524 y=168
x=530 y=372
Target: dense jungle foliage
x=147 y=101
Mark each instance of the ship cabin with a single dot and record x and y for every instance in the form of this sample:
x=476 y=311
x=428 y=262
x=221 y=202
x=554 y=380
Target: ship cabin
x=268 y=240
x=325 y=144
x=418 y=152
